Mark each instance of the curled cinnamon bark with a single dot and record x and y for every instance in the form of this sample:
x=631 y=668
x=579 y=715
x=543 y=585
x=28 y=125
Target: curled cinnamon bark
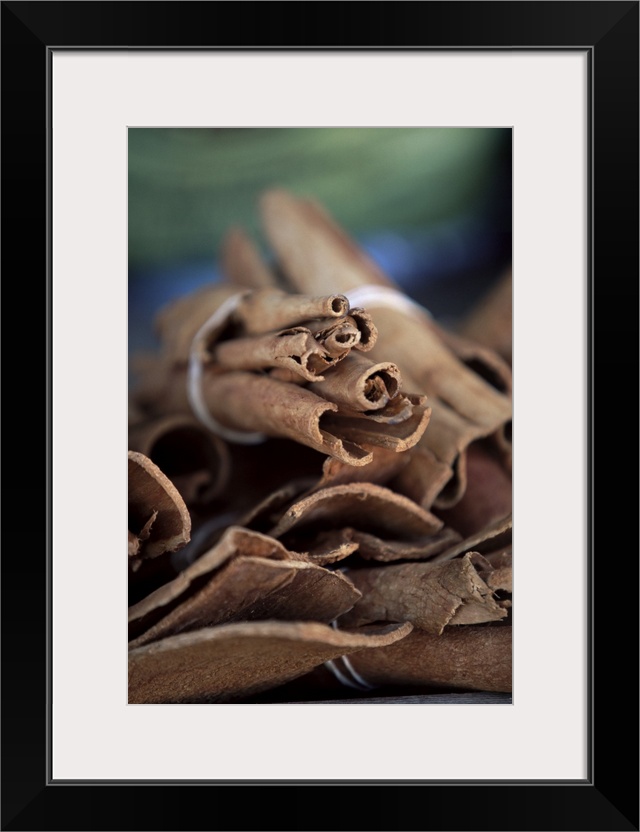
x=247 y=576
x=360 y=384
x=476 y=657
x=264 y=310
x=370 y=508
x=294 y=350
x=430 y=595
x=374 y=547
x=250 y=312
x=194 y=459
x=494 y=537
x=158 y=516
x=235 y=541
x=487 y=498
x=233 y=661
x=313 y=251
x=244 y=401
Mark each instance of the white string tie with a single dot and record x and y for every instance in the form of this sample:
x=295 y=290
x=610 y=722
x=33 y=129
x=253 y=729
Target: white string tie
x=195 y=373
x=347 y=675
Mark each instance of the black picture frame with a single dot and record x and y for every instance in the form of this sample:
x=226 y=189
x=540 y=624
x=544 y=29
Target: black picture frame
x=608 y=798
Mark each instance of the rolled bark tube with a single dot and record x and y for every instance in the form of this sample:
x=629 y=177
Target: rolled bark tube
x=265 y=310
x=337 y=334
x=476 y=657
x=251 y=312
x=248 y=402
x=233 y=661
x=366 y=327
x=244 y=402
x=394 y=412
x=311 y=247
x=360 y=383
x=422 y=357
x=194 y=459
x=337 y=337
x=396 y=436
x=292 y=349
x=313 y=251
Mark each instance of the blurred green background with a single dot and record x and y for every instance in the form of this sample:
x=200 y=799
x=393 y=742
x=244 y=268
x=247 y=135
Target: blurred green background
x=187 y=186
x=431 y=205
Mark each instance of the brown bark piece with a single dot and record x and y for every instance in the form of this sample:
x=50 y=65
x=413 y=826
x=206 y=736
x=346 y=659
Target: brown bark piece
x=250 y=588
x=490 y=322
x=364 y=506
x=133 y=542
x=266 y=310
x=192 y=457
x=366 y=430
x=233 y=661
x=248 y=402
x=360 y=384
x=150 y=491
x=429 y=595
x=234 y=542
x=354 y=331
x=294 y=350
x=500 y=577
x=372 y=547
x=178 y=322
x=313 y=252
x=487 y=497
x=493 y=537
x=310 y=246
x=475 y=657
x=424 y=478
x=385 y=464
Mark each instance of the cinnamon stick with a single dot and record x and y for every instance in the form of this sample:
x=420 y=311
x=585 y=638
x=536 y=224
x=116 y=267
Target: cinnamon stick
x=313 y=251
x=475 y=657
x=234 y=661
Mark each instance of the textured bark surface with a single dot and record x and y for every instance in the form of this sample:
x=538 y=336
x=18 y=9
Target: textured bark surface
x=313 y=251
x=430 y=595
x=231 y=662
x=476 y=657
x=158 y=516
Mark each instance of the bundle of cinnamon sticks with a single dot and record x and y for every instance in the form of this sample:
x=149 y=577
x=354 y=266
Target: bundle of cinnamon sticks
x=319 y=483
